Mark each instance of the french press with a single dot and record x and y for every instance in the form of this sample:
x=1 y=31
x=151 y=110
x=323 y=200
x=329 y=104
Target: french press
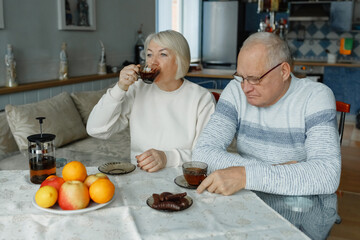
x=42 y=161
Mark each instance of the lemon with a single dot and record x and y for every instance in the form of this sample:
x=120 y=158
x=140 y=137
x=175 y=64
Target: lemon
x=46 y=196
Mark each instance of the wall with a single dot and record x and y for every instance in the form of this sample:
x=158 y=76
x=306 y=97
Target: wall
x=312 y=42
x=32 y=28
x=318 y=37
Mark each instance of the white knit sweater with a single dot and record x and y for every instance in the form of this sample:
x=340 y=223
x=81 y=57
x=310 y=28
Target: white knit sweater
x=166 y=121
x=300 y=127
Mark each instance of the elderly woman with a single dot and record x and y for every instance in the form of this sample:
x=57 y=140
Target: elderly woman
x=166 y=117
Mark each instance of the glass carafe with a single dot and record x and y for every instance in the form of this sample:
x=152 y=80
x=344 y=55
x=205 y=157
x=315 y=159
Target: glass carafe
x=41 y=150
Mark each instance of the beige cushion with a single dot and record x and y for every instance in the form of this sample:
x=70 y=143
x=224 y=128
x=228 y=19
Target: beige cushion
x=62 y=119
x=7 y=141
x=85 y=102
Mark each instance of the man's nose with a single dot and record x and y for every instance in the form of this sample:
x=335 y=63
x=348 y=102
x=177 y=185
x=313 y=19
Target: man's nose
x=247 y=87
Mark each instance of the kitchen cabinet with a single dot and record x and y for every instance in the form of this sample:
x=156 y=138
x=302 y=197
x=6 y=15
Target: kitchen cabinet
x=341 y=16
x=356 y=16
x=345 y=84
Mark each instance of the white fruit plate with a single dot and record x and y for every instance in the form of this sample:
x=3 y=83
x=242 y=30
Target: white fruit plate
x=57 y=210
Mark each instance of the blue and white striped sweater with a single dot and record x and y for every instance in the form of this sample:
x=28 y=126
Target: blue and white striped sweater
x=300 y=127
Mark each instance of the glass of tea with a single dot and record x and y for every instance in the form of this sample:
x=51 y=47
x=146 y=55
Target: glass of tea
x=194 y=172
x=148 y=72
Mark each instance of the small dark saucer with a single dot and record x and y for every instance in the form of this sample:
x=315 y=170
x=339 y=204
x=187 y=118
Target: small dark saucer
x=117 y=168
x=181 y=182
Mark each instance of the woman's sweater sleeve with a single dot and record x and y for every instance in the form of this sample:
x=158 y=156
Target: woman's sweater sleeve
x=111 y=113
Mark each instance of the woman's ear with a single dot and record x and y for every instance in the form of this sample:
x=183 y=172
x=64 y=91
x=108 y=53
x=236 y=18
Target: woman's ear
x=285 y=71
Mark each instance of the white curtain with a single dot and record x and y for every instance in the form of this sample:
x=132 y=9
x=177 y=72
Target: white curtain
x=183 y=16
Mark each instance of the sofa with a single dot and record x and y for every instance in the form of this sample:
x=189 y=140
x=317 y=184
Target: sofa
x=66 y=116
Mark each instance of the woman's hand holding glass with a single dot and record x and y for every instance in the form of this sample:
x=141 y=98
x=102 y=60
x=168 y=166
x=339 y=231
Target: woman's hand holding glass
x=152 y=160
x=128 y=75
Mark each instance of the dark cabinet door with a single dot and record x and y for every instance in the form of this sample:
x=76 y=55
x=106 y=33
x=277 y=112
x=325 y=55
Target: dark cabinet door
x=341 y=16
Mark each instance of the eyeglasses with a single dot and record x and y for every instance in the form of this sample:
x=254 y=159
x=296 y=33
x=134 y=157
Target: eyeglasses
x=253 y=80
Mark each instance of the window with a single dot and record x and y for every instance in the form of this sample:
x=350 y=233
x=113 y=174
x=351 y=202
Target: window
x=183 y=16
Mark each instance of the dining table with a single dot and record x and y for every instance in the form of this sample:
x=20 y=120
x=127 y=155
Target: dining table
x=243 y=215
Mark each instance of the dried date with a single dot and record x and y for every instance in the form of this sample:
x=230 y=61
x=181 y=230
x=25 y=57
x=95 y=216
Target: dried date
x=169 y=201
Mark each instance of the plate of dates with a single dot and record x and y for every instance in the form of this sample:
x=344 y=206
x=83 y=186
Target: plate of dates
x=169 y=202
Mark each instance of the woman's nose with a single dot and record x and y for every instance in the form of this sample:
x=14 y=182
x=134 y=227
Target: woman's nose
x=155 y=60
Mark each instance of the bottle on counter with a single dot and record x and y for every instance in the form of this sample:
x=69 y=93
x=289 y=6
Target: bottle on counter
x=262 y=26
x=267 y=5
x=260 y=6
x=268 y=27
x=139 y=48
x=282 y=28
x=274 y=6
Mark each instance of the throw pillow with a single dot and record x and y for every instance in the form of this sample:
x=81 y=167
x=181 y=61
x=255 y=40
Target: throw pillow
x=62 y=119
x=7 y=141
x=85 y=102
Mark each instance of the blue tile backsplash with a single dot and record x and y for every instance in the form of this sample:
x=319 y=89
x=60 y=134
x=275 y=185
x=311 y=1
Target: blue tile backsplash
x=316 y=38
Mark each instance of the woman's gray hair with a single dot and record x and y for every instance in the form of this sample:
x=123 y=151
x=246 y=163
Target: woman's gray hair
x=175 y=42
x=277 y=49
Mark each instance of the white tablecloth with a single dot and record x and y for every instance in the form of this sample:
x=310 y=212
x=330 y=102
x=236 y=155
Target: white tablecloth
x=212 y=216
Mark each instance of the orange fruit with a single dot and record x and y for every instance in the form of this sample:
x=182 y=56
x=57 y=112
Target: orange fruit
x=46 y=196
x=102 y=190
x=74 y=170
x=51 y=176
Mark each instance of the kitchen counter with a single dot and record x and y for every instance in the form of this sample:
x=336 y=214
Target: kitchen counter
x=227 y=74
x=326 y=64
x=212 y=73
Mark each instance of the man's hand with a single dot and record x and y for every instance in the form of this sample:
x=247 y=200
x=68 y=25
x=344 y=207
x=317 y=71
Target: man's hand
x=152 y=160
x=224 y=181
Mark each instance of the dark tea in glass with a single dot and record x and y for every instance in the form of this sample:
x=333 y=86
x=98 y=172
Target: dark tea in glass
x=41 y=168
x=148 y=73
x=194 y=172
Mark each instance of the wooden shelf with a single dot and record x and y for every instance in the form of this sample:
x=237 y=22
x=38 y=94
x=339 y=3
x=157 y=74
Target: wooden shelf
x=54 y=83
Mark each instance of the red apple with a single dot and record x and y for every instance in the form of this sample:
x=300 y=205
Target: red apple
x=56 y=182
x=73 y=195
x=93 y=177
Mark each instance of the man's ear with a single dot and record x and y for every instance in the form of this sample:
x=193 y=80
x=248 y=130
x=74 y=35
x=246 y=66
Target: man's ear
x=285 y=71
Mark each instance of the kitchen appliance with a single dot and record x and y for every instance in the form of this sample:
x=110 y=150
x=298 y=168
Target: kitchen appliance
x=309 y=11
x=315 y=73
x=41 y=150
x=220 y=34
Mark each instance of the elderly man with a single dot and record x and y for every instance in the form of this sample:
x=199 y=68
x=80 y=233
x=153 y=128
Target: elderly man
x=287 y=139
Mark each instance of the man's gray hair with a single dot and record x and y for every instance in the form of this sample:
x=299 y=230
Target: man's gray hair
x=175 y=42
x=277 y=49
